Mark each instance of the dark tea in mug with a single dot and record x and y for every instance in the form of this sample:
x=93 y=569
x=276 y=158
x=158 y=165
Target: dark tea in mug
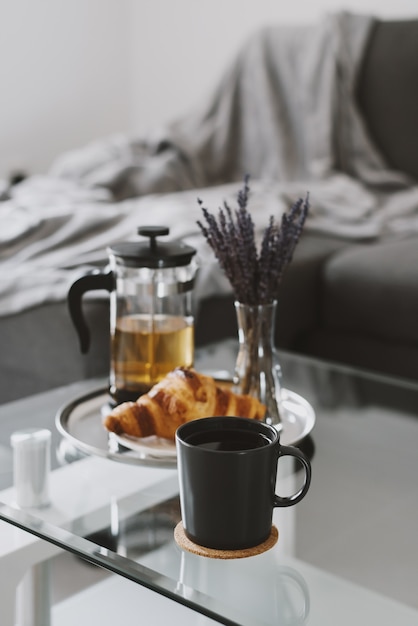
x=228 y=440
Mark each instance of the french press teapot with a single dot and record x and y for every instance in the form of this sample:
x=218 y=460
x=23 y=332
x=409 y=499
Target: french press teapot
x=151 y=320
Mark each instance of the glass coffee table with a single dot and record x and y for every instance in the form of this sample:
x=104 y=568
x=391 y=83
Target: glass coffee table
x=104 y=549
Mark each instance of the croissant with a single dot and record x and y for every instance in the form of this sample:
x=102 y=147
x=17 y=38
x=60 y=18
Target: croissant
x=183 y=395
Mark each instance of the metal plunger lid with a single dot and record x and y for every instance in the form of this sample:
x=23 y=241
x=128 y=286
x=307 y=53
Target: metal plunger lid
x=153 y=254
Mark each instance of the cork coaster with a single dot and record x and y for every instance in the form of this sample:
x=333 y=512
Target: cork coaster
x=186 y=544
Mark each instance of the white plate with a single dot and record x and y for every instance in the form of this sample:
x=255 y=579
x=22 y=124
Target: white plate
x=153 y=446
x=298 y=421
x=81 y=423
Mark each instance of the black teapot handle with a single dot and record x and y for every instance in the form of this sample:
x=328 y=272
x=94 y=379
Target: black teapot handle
x=92 y=280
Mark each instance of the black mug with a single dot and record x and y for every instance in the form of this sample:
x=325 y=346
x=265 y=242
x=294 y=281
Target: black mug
x=227 y=477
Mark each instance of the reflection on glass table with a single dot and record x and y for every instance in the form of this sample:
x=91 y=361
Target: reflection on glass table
x=341 y=557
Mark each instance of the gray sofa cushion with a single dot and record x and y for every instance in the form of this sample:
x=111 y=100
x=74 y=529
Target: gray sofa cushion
x=40 y=349
x=300 y=293
x=388 y=92
x=299 y=297
x=372 y=290
x=364 y=352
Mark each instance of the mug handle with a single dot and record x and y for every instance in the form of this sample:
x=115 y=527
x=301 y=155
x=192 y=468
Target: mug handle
x=296 y=497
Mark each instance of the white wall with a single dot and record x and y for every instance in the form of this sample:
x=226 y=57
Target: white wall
x=64 y=76
x=75 y=70
x=182 y=46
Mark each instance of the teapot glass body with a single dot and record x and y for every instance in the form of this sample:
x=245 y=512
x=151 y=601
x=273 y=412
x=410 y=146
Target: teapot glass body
x=151 y=326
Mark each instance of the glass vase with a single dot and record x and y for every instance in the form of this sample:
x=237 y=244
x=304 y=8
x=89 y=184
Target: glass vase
x=257 y=368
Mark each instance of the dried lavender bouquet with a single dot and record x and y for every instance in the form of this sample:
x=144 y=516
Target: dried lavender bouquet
x=255 y=275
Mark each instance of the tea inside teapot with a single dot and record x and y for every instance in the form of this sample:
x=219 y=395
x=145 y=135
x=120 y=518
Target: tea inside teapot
x=145 y=348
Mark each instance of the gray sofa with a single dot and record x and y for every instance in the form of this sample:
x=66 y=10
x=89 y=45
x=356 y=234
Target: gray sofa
x=366 y=297
x=357 y=302
x=346 y=300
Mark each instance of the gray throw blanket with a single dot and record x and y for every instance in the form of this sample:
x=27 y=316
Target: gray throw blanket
x=284 y=113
